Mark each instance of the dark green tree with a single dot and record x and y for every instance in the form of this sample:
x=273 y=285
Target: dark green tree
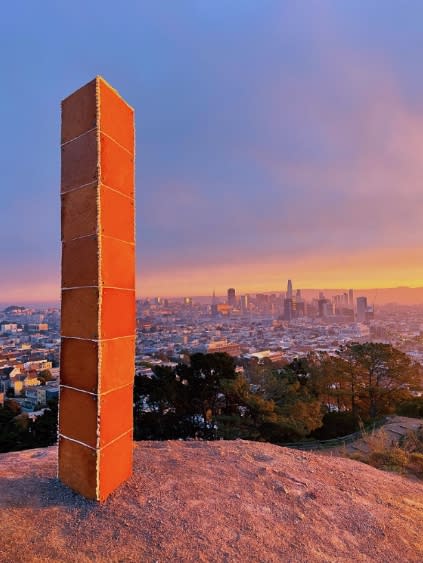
x=205 y=398
x=381 y=377
x=44 y=376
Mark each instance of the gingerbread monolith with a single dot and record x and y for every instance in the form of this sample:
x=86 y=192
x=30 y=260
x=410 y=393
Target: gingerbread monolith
x=98 y=290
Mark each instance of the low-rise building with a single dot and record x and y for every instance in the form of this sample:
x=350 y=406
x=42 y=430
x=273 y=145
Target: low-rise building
x=35 y=397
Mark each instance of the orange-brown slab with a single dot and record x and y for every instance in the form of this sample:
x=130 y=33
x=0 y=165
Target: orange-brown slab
x=117 y=312
x=79 y=112
x=115 y=414
x=79 y=364
x=117 y=263
x=80 y=310
x=78 y=467
x=117 y=363
x=116 y=117
x=115 y=465
x=117 y=215
x=79 y=213
x=80 y=259
x=80 y=161
x=117 y=166
x=78 y=416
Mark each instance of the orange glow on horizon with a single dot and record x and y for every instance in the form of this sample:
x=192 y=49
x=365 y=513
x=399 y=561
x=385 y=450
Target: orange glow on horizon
x=382 y=268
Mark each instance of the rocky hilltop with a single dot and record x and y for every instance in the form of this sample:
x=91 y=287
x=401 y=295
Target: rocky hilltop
x=213 y=501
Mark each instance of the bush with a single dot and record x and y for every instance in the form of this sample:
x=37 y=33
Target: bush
x=356 y=456
x=280 y=432
x=390 y=458
x=412 y=442
x=336 y=424
x=406 y=455
x=377 y=440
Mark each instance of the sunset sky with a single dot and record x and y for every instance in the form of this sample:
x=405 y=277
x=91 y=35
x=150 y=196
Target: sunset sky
x=275 y=139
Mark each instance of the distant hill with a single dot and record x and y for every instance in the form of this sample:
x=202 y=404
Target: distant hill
x=13 y=308
x=6 y=307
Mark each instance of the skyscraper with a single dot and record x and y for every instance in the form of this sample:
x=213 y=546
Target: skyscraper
x=289 y=290
x=324 y=305
x=361 y=309
x=214 y=305
x=299 y=304
x=231 y=297
x=288 y=309
x=351 y=298
x=244 y=302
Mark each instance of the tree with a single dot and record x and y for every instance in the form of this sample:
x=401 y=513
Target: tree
x=381 y=377
x=10 y=409
x=296 y=398
x=44 y=376
x=44 y=428
x=333 y=381
x=412 y=408
x=19 y=432
x=205 y=398
x=13 y=430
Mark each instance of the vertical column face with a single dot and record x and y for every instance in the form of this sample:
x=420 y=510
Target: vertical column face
x=98 y=290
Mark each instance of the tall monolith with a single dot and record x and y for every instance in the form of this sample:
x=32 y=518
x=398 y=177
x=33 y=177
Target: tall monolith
x=98 y=290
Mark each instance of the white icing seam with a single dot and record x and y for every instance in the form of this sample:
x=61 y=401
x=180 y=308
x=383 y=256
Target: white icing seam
x=115 y=439
x=119 y=239
x=134 y=182
x=77 y=137
x=100 y=277
x=131 y=153
x=92 y=235
x=77 y=389
x=78 y=442
x=58 y=434
x=117 y=388
x=93 y=183
x=118 y=192
x=99 y=286
x=114 y=90
x=99 y=339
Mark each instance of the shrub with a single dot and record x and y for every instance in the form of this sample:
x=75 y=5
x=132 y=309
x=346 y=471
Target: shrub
x=358 y=457
x=391 y=458
x=413 y=441
x=377 y=440
x=336 y=424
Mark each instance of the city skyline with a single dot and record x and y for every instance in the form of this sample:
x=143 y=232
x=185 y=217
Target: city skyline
x=271 y=138
x=376 y=296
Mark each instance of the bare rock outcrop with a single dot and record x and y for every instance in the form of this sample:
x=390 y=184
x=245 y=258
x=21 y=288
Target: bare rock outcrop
x=213 y=501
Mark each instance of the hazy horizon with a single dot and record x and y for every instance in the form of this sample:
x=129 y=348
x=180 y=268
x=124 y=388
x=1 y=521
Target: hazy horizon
x=378 y=296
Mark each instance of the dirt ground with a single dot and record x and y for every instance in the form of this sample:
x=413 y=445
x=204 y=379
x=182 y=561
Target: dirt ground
x=216 y=502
